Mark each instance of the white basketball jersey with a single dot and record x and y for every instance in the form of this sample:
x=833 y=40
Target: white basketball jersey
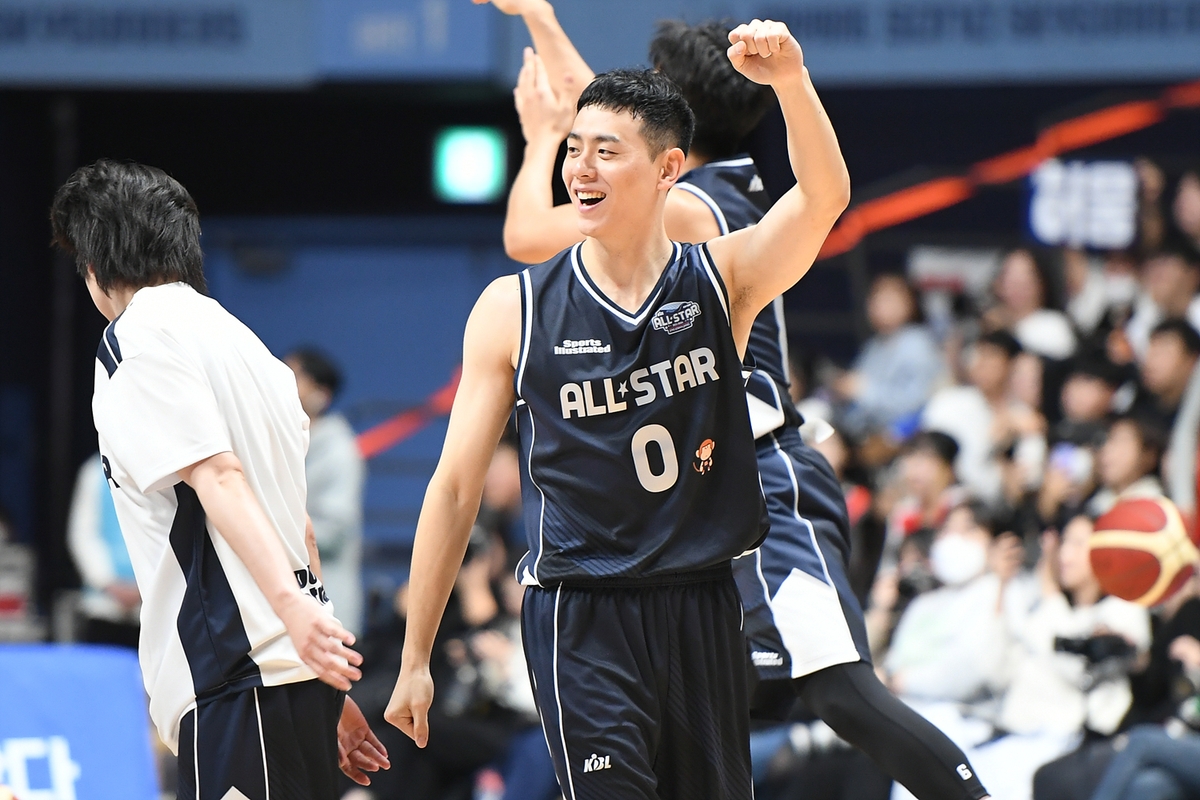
x=179 y=379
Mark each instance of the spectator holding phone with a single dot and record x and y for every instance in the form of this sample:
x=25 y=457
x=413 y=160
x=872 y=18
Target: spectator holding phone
x=1071 y=663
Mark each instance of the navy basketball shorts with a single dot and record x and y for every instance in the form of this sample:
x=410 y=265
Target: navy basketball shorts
x=642 y=690
x=801 y=614
x=267 y=742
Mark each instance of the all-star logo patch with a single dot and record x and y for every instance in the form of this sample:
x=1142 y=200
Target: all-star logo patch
x=675 y=317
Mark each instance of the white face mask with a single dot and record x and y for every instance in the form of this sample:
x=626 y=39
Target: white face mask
x=1121 y=289
x=955 y=559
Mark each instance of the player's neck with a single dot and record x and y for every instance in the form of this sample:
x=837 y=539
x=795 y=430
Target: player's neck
x=118 y=300
x=693 y=161
x=627 y=269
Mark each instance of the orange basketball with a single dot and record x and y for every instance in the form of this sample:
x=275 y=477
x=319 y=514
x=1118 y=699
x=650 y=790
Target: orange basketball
x=1141 y=552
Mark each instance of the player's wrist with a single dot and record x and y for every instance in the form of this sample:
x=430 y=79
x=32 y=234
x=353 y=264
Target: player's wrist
x=538 y=11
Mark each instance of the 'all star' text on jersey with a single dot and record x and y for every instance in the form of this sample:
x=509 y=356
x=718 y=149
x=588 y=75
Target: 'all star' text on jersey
x=594 y=398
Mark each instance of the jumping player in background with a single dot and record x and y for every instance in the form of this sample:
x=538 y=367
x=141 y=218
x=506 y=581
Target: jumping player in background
x=623 y=357
x=804 y=625
x=202 y=440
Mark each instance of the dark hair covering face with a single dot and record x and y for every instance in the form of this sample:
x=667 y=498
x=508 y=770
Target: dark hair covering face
x=134 y=225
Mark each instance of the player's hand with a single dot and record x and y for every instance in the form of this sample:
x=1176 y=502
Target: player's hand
x=408 y=709
x=514 y=7
x=321 y=641
x=359 y=749
x=766 y=52
x=542 y=113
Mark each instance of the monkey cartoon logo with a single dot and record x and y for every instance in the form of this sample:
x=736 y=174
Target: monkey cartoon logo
x=704 y=456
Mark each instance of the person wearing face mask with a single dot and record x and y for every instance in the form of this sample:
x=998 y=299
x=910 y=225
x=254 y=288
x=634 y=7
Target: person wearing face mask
x=951 y=644
x=336 y=472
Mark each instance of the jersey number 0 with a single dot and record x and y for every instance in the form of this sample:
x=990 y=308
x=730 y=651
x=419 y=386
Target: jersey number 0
x=670 y=470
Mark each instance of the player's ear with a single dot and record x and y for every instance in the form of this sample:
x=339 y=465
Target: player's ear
x=670 y=166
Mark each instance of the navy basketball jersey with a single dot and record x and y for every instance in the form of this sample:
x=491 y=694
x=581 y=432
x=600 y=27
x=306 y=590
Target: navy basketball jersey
x=638 y=460
x=734 y=192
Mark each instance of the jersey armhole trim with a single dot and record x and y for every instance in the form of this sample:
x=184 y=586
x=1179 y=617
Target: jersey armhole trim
x=715 y=278
x=526 y=328
x=695 y=190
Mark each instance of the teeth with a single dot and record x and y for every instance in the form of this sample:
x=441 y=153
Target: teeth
x=590 y=195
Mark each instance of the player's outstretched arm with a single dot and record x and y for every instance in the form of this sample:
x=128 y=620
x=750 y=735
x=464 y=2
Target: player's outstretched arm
x=534 y=228
x=235 y=512
x=482 y=406
x=552 y=44
x=763 y=261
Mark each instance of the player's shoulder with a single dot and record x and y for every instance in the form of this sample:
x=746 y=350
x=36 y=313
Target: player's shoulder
x=173 y=318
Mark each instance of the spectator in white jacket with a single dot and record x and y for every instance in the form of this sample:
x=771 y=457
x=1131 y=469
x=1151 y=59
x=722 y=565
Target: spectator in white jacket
x=336 y=473
x=952 y=643
x=1071 y=661
x=110 y=603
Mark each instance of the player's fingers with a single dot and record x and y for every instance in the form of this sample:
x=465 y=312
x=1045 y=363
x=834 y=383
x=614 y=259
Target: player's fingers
x=762 y=41
x=420 y=725
x=541 y=79
x=737 y=54
x=377 y=755
x=376 y=745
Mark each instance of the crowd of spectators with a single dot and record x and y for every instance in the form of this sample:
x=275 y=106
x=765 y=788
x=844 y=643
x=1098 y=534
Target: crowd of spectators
x=976 y=454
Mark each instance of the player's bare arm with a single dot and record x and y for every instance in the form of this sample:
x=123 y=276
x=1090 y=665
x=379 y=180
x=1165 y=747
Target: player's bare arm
x=567 y=70
x=762 y=262
x=235 y=512
x=482 y=406
x=534 y=228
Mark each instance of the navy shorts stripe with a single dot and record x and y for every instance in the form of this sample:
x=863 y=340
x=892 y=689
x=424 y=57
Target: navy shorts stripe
x=269 y=743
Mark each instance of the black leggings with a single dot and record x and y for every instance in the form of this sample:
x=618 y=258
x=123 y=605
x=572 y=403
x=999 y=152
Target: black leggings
x=860 y=709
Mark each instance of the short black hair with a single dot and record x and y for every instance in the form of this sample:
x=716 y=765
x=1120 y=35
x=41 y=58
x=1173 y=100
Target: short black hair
x=1188 y=336
x=649 y=97
x=941 y=445
x=727 y=104
x=983 y=515
x=134 y=225
x=1096 y=364
x=320 y=367
x=1003 y=340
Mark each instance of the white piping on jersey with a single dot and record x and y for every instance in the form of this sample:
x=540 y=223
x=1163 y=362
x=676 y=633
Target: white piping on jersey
x=263 y=745
x=106 y=345
x=562 y=731
x=763 y=581
x=196 y=748
x=624 y=316
x=708 y=201
x=781 y=321
x=732 y=162
x=708 y=268
x=812 y=534
x=542 y=516
x=527 y=332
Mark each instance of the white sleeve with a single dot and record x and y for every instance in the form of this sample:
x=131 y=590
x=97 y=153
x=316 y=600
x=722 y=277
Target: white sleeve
x=160 y=415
